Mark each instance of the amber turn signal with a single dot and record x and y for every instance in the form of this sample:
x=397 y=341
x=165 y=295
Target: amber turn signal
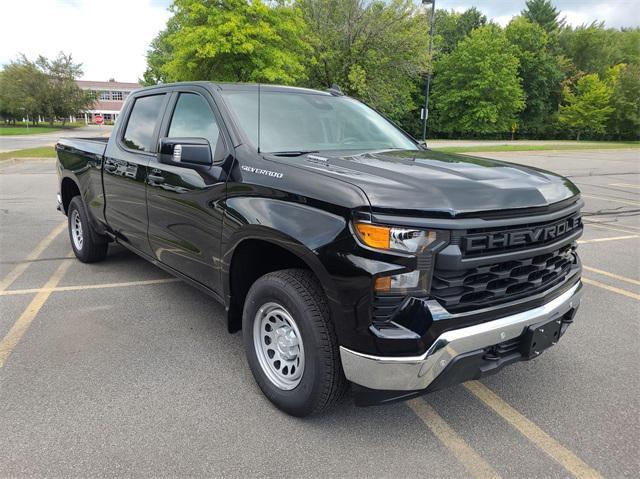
x=382 y=284
x=374 y=236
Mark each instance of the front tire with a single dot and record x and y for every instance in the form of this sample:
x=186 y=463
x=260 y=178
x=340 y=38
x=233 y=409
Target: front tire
x=87 y=244
x=291 y=344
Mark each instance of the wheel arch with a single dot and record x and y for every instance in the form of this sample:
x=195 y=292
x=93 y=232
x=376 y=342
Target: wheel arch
x=68 y=189
x=261 y=250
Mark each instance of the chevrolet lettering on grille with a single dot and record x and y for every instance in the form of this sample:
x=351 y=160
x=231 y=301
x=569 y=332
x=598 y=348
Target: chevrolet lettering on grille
x=477 y=243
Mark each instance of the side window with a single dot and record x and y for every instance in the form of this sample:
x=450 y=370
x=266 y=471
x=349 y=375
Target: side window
x=144 y=116
x=193 y=118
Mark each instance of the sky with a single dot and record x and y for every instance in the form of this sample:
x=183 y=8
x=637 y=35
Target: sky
x=111 y=38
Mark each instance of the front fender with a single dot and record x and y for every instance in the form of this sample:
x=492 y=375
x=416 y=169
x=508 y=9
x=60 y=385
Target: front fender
x=302 y=230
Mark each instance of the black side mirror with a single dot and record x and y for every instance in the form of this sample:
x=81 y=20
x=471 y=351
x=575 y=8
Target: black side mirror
x=185 y=151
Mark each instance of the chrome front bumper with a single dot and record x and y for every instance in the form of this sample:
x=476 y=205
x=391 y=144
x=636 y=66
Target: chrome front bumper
x=415 y=373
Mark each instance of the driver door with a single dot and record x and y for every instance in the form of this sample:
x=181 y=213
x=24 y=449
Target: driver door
x=185 y=221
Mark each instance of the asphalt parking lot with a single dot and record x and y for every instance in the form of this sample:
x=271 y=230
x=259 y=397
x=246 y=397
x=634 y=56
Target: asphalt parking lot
x=116 y=369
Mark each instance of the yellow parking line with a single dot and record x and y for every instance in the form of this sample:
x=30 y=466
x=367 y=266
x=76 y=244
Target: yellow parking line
x=531 y=431
x=615 y=238
x=35 y=254
x=88 y=286
x=615 y=200
x=613 y=289
x=470 y=459
x=9 y=342
x=612 y=275
x=592 y=224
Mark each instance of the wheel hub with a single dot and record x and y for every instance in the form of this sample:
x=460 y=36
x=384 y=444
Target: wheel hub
x=278 y=346
x=76 y=230
x=287 y=343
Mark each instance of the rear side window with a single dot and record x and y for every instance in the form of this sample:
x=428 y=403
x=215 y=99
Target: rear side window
x=193 y=118
x=142 y=122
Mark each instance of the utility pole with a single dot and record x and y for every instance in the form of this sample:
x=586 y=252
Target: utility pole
x=427 y=87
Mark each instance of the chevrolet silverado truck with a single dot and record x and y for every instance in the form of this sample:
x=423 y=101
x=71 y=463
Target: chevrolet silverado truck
x=346 y=253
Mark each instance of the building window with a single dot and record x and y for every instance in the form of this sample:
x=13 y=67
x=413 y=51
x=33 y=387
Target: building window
x=104 y=95
x=116 y=95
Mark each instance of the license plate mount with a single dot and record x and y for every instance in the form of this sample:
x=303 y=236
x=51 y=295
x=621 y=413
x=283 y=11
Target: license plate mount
x=539 y=337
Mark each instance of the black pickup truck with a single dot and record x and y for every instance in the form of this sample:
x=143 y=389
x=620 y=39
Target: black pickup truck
x=345 y=251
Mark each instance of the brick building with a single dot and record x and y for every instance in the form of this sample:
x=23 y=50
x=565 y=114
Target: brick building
x=110 y=97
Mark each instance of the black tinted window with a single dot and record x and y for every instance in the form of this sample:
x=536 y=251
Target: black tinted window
x=143 y=119
x=193 y=118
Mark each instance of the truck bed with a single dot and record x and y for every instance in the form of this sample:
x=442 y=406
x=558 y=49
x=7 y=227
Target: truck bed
x=91 y=146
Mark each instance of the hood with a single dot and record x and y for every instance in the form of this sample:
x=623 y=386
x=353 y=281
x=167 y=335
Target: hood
x=433 y=181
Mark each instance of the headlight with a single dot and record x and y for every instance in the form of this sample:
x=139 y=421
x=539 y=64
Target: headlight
x=396 y=238
x=421 y=242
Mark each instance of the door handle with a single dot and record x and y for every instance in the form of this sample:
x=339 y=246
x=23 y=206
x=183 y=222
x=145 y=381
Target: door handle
x=156 y=178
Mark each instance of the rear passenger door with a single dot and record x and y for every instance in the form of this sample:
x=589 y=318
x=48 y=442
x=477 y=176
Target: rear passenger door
x=126 y=167
x=185 y=217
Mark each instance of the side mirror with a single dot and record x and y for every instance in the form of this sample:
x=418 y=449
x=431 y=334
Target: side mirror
x=185 y=151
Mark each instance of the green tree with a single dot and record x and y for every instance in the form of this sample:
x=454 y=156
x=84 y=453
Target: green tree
x=158 y=55
x=42 y=88
x=628 y=41
x=374 y=50
x=591 y=48
x=230 y=40
x=22 y=93
x=61 y=96
x=585 y=107
x=451 y=27
x=476 y=87
x=543 y=13
x=541 y=74
x=625 y=102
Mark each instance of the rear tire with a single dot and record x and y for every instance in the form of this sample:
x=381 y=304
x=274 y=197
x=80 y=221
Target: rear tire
x=287 y=325
x=87 y=244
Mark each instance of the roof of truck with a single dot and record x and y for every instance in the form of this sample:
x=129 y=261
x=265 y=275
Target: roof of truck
x=223 y=86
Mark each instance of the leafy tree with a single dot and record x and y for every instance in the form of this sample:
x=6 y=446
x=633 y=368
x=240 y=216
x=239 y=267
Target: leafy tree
x=61 y=96
x=42 y=88
x=476 y=87
x=158 y=55
x=625 y=102
x=586 y=108
x=451 y=27
x=541 y=74
x=230 y=40
x=628 y=41
x=591 y=48
x=21 y=90
x=374 y=50
x=544 y=14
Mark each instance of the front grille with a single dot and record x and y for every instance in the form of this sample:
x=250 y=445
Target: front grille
x=496 y=283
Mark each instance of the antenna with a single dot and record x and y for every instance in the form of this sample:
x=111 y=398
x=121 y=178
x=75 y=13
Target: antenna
x=258 y=117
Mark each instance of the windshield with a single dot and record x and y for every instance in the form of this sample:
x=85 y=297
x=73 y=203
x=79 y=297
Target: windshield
x=293 y=121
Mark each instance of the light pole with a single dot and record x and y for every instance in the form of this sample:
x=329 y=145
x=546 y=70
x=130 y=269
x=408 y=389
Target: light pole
x=427 y=87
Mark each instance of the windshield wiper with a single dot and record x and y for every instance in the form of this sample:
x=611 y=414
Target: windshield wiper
x=292 y=152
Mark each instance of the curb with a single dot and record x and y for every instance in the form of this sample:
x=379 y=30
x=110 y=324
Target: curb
x=15 y=161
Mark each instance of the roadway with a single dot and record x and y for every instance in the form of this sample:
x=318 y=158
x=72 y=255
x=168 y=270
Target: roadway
x=20 y=142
